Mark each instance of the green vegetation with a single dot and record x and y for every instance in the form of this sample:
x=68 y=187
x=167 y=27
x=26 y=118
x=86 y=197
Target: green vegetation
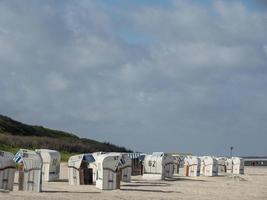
x=8 y=148
x=8 y=125
x=64 y=155
x=15 y=135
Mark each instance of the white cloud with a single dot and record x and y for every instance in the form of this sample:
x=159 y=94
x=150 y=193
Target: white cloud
x=201 y=75
x=265 y=48
x=56 y=82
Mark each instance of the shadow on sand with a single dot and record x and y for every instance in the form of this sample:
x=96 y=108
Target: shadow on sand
x=185 y=179
x=146 y=185
x=4 y=191
x=158 y=191
x=69 y=192
x=150 y=182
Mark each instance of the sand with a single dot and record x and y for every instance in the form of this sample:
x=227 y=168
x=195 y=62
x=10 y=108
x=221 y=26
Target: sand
x=252 y=185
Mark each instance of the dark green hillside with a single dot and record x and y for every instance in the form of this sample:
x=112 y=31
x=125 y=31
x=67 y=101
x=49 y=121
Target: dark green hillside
x=15 y=135
x=8 y=125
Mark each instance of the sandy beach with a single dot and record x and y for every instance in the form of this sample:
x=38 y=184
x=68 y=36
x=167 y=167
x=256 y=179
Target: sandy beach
x=252 y=185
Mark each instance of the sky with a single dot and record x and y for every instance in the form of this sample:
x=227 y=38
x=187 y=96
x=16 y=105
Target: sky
x=151 y=75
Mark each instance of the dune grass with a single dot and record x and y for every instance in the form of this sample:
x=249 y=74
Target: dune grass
x=64 y=155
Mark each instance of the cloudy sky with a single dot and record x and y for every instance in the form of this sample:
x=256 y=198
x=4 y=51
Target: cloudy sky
x=152 y=75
